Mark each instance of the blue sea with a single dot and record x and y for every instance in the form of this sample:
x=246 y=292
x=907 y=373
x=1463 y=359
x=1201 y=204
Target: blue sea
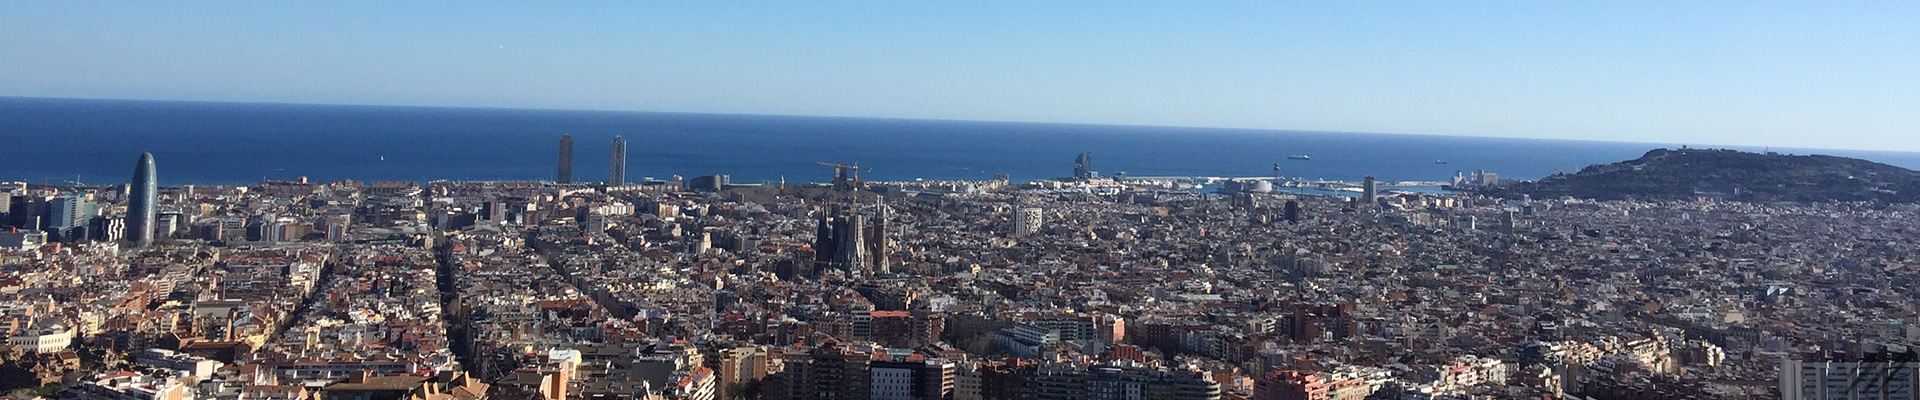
x=60 y=141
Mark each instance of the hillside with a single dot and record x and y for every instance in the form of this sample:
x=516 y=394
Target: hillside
x=1729 y=174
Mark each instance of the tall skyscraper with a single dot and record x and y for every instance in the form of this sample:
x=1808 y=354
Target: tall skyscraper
x=1083 y=166
x=617 y=164
x=141 y=201
x=1368 y=195
x=879 y=243
x=69 y=215
x=566 y=160
x=825 y=247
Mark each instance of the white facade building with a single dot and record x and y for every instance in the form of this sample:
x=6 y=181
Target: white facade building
x=52 y=339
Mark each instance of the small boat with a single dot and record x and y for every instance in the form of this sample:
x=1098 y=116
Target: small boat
x=1439 y=161
x=1299 y=157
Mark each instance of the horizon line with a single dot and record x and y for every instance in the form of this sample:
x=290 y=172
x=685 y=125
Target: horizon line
x=1090 y=124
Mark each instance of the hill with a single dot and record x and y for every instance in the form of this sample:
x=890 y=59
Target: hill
x=1732 y=175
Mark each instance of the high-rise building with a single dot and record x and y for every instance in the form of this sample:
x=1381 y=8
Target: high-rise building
x=69 y=217
x=31 y=211
x=879 y=243
x=825 y=247
x=1083 y=166
x=566 y=160
x=1293 y=211
x=617 y=163
x=1368 y=193
x=1026 y=221
x=141 y=201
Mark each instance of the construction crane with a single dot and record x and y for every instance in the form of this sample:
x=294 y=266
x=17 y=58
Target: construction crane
x=846 y=176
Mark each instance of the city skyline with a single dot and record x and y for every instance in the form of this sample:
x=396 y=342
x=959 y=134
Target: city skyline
x=1090 y=287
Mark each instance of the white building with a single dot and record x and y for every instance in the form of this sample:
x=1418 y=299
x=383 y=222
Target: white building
x=1026 y=340
x=52 y=339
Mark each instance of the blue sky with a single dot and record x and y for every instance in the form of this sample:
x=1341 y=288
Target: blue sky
x=1757 y=73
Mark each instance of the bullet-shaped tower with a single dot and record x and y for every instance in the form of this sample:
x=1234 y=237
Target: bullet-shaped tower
x=140 y=202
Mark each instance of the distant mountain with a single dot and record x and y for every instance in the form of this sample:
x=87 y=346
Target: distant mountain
x=1732 y=175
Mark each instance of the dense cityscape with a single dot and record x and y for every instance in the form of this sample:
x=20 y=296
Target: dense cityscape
x=1082 y=287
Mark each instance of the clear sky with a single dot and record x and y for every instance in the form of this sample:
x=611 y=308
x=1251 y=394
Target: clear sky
x=1762 y=73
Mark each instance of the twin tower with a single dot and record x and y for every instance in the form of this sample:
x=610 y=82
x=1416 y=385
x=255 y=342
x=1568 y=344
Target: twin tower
x=616 y=168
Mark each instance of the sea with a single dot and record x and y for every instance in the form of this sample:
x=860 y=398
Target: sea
x=87 y=141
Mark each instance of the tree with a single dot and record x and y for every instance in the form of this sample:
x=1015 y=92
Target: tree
x=749 y=390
